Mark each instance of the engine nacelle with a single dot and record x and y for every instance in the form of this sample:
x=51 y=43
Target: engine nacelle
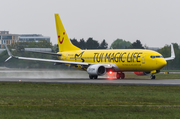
x=140 y=73
x=96 y=69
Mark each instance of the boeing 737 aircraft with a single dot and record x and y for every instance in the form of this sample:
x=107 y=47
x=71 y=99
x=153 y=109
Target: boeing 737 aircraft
x=98 y=62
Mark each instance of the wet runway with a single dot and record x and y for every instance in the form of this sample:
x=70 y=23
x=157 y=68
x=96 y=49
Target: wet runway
x=95 y=81
x=74 y=76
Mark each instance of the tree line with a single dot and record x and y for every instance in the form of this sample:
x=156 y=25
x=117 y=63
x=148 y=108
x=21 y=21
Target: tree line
x=89 y=44
x=117 y=44
x=122 y=44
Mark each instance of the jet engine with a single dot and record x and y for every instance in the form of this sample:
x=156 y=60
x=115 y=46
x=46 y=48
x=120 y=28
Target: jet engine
x=140 y=73
x=96 y=69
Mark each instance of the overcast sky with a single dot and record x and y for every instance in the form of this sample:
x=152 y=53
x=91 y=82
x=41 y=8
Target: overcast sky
x=153 y=22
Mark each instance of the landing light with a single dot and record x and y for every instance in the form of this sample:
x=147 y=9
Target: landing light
x=110 y=72
x=110 y=75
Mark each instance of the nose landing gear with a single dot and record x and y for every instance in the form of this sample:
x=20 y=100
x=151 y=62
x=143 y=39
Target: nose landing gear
x=153 y=76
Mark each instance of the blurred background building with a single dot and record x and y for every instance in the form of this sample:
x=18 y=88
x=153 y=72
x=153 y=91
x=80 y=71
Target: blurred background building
x=32 y=37
x=6 y=38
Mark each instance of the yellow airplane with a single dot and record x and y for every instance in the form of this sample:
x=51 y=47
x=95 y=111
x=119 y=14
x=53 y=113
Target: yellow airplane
x=98 y=62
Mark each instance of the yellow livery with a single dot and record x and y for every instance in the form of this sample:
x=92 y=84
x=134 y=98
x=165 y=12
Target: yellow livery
x=98 y=62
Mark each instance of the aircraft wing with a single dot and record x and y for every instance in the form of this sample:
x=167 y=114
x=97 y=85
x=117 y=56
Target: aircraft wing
x=172 y=54
x=49 y=53
x=50 y=60
x=45 y=60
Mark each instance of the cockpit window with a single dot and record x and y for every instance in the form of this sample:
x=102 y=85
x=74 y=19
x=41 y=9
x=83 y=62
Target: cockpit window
x=153 y=56
x=156 y=56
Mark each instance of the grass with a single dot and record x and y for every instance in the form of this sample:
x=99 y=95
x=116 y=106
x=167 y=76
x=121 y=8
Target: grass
x=170 y=70
x=46 y=100
x=42 y=94
x=90 y=112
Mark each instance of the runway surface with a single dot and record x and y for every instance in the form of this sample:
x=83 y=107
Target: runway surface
x=95 y=81
x=56 y=76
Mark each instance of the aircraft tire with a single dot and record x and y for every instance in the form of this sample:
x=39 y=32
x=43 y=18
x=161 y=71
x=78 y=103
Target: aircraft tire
x=90 y=76
x=123 y=75
x=118 y=75
x=95 y=77
x=153 y=76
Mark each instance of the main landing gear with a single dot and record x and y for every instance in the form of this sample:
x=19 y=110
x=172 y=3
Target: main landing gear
x=153 y=76
x=93 y=76
x=120 y=75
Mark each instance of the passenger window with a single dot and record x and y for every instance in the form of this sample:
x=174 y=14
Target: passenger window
x=159 y=56
x=156 y=56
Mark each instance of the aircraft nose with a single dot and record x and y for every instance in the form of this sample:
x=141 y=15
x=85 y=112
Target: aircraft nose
x=162 y=63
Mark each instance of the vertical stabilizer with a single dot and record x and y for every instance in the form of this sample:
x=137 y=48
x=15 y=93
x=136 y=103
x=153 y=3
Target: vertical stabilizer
x=63 y=40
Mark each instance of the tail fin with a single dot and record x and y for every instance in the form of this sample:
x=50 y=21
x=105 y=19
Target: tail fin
x=63 y=40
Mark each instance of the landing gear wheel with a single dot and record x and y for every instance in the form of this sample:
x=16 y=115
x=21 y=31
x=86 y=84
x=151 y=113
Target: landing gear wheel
x=120 y=75
x=93 y=76
x=90 y=76
x=153 y=76
x=123 y=75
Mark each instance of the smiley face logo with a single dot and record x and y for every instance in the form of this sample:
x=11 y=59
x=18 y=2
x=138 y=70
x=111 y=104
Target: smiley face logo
x=59 y=38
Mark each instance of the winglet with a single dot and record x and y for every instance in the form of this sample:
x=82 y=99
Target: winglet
x=172 y=54
x=9 y=53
